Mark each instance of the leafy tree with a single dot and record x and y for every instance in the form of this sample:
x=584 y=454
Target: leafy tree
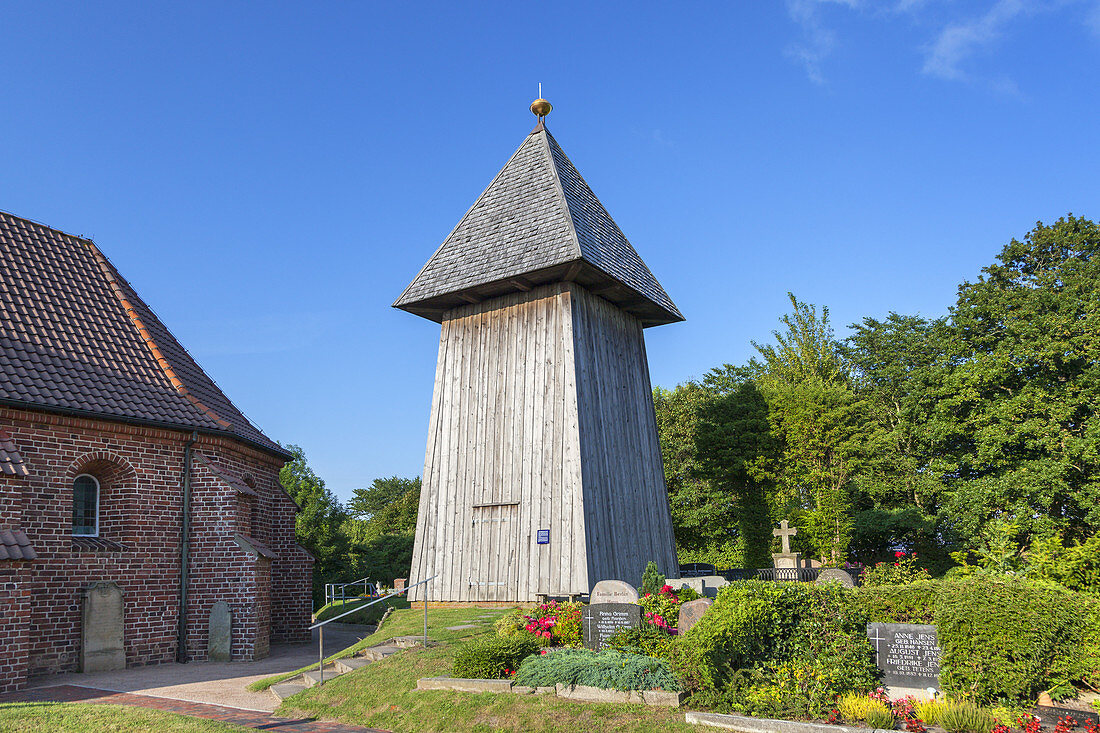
x=382 y=526
x=818 y=419
x=1016 y=404
x=318 y=524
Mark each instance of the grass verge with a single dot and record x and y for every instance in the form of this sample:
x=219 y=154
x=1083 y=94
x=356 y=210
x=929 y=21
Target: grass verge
x=63 y=717
x=369 y=615
x=382 y=695
x=406 y=622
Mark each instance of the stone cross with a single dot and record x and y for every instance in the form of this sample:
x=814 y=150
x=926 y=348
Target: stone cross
x=785 y=533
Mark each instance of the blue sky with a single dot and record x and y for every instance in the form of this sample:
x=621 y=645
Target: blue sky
x=271 y=175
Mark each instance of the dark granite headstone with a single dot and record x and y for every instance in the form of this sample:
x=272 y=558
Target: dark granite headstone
x=601 y=621
x=907 y=654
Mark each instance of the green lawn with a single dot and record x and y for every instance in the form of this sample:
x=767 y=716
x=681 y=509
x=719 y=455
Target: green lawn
x=407 y=622
x=88 y=718
x=369 y=615
x=381 y=695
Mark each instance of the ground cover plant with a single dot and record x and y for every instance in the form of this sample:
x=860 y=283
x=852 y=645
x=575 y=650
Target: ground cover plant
x=608 y=669
x=81 y=717
x=382 y=695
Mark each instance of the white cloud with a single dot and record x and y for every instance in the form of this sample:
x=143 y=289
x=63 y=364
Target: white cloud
x=959 y=41
x=818 y=41
x=1093 y=19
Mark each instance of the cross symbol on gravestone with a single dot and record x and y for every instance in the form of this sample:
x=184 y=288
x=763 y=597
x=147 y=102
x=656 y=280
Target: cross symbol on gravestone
x=785 y=533
x=877 y=637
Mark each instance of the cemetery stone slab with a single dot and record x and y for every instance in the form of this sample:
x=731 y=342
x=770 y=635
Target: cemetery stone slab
x=1050 y=715
x=613 y=591
x=836 y=575
x=691 y=612
x=788 y=560
x=219 y=637
x=101 y=647
x=696 y=584
x=907 y=654
x=711 y=584
x=601 y=621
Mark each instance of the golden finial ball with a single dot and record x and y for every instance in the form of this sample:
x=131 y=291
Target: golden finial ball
x=541 y=108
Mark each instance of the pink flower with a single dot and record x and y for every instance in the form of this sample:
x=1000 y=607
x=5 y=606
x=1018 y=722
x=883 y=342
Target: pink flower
x=666 y=588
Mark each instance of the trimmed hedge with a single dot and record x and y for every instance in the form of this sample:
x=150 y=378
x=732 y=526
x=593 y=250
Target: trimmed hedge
x=1002 y=636
x=492 y=657
x=607 y=669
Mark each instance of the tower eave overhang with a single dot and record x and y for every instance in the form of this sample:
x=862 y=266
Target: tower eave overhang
x=578 y=271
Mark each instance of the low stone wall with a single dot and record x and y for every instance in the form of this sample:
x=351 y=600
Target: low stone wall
x=581 y=693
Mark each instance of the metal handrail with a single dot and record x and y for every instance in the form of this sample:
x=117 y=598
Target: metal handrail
x=369 y=589
x=321 y=624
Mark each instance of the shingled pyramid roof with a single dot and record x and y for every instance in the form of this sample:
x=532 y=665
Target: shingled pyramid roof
x=537 y=222
x=76 y=338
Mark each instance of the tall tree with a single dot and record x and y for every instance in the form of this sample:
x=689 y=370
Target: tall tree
x=1016 y=415
x=818 y=419
x=319 y=521
x=382 y=526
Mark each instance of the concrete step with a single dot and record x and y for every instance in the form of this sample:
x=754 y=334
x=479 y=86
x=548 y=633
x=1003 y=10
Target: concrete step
x=382 y=651
x=407 y=642
x=350 y=664
x=283 y=690
x=312 y=679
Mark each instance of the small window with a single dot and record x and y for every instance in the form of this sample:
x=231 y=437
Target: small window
x=85 y=506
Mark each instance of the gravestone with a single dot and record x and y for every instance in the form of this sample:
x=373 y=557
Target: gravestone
x=836 y=575
x=691 y=612
x=706 y=585
x=102 y=647
x=601 y=621
x=907 y=654
x=613 y=591
x=786 y=558
x=219 y=637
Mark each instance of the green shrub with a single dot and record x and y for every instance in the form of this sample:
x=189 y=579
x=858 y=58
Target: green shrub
x=1008 y=638
x=902 y=571
x=569 y=630
x=779 y=649
x=913 y=603
x=854 y=706
x=511 y=623
x=608 y=669
x=491 y=658
x=881 y=717
x=930 y=710
x=652 y=580
x=965 y=717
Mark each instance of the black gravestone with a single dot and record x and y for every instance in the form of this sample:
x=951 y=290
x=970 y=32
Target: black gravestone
x=601 y=621
x=1049 y=716
x=907 y=654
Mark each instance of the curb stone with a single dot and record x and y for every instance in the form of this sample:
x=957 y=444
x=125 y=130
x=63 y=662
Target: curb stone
x=765 y=725
x=581 y=693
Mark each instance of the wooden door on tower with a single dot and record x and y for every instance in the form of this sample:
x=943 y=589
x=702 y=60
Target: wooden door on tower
x=494 y=540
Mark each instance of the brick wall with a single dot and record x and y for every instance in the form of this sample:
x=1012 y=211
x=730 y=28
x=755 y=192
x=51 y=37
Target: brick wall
x=140 y=471
x=14 y=609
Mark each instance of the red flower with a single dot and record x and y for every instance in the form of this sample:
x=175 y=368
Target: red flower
x=899 y=553
x=666 y=588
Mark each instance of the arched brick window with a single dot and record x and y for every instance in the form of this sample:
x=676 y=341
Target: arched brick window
x=85 y=506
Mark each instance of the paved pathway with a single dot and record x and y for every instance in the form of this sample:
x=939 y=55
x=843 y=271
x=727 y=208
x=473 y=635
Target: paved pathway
x=246 y=718
x=215 y=683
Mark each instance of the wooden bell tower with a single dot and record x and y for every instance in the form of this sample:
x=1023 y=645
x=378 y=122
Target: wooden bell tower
x=542 y=473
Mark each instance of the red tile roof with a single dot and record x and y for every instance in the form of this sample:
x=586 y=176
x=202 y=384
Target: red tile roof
x=75 y=337
x=225 y=475
x=14 y=545
x=11 y=463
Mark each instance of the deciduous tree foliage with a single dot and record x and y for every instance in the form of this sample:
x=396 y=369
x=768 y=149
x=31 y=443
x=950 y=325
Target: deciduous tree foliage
x=914 y=434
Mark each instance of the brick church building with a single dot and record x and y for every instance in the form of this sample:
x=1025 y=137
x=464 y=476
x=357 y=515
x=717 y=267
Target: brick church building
x=124 y=466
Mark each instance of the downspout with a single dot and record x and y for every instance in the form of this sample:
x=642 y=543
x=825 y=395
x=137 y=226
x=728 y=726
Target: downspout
x=185 y=551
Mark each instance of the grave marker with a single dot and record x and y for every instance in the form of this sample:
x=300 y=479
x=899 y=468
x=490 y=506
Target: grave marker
x=691 y=612
x=219 y=637
x=613 y=591
x=601 y=621
x=907 y=654
x=102 y=648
